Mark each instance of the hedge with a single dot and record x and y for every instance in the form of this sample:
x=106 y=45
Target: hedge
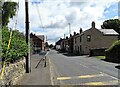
x=18 y=46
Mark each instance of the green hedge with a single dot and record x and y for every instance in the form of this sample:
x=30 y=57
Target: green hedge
x=116 y=44
x=18 y=46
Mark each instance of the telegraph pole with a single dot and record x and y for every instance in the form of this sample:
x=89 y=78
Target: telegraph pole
x=28 y=67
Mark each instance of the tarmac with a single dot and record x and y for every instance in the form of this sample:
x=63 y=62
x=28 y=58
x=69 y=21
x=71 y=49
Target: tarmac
x=40 y=73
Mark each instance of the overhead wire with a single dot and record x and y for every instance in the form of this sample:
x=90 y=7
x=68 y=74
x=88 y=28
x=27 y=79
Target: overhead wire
x=40 y=18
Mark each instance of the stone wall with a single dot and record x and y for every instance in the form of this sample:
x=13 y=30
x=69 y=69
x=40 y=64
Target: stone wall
x=13 y=73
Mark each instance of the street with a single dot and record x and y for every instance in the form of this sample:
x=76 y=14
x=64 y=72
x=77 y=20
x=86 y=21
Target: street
x=82 y=70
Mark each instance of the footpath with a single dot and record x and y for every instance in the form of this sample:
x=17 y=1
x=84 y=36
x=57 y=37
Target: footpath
x=40 y=73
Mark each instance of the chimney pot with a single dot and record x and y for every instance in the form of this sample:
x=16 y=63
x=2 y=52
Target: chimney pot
x=74 y=33
x=81 y=30
x=93 y=24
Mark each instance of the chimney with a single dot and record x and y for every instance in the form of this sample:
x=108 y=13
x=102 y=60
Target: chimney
x=74 y=33
x=70 y=35
x=81 y=30
x=77 y=33
x=66 y=37
x=93 y=24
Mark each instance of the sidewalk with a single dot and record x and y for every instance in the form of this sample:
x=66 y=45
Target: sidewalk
x=39 y=75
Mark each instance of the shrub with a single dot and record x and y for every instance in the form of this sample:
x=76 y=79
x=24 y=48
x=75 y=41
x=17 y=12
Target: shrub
x=18 y=46
x=116 y=44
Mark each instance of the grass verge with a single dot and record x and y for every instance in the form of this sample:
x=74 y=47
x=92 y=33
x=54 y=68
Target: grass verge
x=100 y=57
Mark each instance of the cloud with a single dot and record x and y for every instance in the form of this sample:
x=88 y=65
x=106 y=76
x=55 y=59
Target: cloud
x=54 y=15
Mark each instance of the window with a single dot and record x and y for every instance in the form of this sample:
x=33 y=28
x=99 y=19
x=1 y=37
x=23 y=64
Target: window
x=80 y=38
x=75 y=40
x=80 y=48
x=88 y=38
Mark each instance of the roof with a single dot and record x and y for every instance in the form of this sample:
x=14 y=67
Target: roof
x=58 y=42
x=108 y=31
x=41 y=37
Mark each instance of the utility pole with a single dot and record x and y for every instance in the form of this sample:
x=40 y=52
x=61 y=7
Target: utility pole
x=69 y=28
x=28 y=65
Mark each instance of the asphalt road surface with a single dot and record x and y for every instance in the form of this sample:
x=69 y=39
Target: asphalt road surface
x=82 y=70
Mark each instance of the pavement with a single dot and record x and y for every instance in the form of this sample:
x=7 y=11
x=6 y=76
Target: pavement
x=39 y=75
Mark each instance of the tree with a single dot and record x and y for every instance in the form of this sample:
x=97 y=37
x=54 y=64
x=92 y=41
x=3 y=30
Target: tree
x=111 y=24
x=51 y=46
x=1 y=11
x=8 y=11
x=46 y=44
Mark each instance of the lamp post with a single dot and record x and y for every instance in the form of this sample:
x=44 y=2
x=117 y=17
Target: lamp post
x=69 y=28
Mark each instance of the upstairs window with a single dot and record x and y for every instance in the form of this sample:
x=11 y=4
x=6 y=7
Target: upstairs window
x=88 y=38
x=75 y=40
x=80 y=38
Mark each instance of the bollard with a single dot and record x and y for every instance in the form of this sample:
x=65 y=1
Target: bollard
x=45 y=61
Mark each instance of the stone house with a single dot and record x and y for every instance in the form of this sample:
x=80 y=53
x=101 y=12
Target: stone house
x=37 y=43
x=71 y=42
x=94 y=38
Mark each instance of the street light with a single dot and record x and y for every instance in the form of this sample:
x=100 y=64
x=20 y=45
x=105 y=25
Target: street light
x=69 y=28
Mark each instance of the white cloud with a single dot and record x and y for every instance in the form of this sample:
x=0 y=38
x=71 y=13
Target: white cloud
x=55 y=15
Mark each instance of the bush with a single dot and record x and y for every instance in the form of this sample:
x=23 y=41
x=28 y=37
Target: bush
x=112 y=53
x=18 y=46
x=115 y=45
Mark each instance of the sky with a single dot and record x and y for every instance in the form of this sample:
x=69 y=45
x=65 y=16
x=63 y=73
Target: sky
x=52 y=17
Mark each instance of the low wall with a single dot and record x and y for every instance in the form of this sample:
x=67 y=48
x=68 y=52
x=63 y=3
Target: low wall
x=13 y=73
x=97 y=52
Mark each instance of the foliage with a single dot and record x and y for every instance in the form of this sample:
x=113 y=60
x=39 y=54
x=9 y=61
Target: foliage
x=116 y=44
x=18 y=46
x=51 y=46
x=46 y=44
x=9 y=10
x=112 y=24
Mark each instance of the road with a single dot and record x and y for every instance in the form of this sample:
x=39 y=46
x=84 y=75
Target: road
x=82 y=70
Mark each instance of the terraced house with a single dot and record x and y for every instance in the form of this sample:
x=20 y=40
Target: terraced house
x=37 y=43
x=93 y=38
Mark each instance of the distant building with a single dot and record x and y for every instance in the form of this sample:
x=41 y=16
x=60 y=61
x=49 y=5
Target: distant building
x=37 y=43
x=59 y=44
x=94 y=38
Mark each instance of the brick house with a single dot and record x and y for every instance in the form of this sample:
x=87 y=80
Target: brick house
x=37 y=43
x=94 y=38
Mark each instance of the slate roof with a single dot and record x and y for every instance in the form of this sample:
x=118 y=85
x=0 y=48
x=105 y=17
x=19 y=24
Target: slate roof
x=41 y=37
x=108 y=31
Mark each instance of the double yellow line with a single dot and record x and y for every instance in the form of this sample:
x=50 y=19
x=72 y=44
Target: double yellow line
x=4 y=63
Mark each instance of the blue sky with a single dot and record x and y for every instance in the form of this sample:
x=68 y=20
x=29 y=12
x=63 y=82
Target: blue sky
x=112 y=11
x=56 y=14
